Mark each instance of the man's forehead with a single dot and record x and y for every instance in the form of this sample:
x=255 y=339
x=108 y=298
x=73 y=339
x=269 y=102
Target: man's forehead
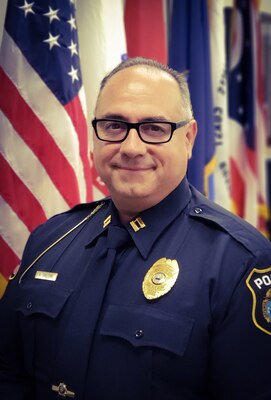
x=142 y=71
x=140 y=83
x=139 y=80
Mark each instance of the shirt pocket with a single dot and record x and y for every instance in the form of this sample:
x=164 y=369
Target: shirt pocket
x=44 y=298
x=147 y=326
x=39 y=308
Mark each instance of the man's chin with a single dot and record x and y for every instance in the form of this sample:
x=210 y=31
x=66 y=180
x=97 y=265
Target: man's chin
x=130 y=192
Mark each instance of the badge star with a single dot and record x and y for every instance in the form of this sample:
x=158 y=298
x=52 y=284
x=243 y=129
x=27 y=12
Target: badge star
x=73 y=48
x=52 y=14
x=73 y=74
x=27 y=8
x=52 y=41
x=72 y=23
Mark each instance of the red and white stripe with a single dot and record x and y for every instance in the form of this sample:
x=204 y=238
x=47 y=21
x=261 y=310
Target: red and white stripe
x=44 y=162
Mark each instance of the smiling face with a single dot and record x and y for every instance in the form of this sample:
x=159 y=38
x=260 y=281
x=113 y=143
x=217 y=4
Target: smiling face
x=139 y=175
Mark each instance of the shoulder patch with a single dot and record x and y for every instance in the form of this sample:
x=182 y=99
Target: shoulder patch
x=259 y=283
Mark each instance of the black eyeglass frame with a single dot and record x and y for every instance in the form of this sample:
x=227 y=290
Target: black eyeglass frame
x=136 y=125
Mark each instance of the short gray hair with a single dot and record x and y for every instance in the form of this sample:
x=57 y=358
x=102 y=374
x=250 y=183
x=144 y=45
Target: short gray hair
x=180 y=78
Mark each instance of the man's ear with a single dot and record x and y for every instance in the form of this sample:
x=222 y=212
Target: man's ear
x=191 y=133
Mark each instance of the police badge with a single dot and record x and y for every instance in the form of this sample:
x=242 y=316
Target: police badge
x=259 y=283
x=160 y=278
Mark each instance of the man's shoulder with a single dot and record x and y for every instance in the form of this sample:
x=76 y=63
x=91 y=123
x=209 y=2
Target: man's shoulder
x=62 y=228
x=76 y=214
x=218 y=218
x=66 y=222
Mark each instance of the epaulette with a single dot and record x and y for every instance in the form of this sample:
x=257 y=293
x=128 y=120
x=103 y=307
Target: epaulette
x=236 y=227
x=80 y=209
x=89 y=206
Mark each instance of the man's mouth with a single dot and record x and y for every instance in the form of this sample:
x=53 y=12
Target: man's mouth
x=135 y=168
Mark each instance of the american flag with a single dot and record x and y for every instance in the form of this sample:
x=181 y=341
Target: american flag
x=45 y=160
x=247 y=122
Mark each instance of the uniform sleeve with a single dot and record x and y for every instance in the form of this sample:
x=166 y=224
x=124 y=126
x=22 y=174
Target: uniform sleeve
x=241 y=344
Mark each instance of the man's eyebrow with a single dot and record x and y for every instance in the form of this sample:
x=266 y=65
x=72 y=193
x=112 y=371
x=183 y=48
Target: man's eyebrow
x=113 y=116
x=158 y=118
x=121 y=117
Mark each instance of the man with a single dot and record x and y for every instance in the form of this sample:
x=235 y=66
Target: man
x=152 y=293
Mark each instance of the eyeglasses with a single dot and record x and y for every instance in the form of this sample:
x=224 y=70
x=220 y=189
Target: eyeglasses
x=111 y=130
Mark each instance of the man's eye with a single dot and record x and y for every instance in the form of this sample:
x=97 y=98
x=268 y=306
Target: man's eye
x=153 y=129
x=113 y=126
x=156 y=128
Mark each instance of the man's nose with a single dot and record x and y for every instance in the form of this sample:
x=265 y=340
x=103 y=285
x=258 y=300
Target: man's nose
x=133 y=145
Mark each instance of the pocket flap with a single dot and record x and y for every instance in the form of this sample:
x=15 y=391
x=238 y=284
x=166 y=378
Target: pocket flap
x=42 y=299
x=147 y=326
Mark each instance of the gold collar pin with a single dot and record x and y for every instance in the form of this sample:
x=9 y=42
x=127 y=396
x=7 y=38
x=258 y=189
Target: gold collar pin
x=137 y=224
x=107 y=221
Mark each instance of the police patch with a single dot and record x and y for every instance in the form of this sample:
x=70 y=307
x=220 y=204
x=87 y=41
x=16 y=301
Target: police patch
x=259 y=283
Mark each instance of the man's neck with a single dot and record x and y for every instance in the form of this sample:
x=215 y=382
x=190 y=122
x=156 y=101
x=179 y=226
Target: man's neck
x=126 y=216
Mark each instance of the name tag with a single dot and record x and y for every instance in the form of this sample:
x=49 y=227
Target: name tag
x=46 y=276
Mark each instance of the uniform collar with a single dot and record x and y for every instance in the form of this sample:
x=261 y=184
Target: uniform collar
x=156 y=219
x=148 y=225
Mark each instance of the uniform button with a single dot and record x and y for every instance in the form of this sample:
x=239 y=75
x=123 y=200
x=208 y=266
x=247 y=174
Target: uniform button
x=198 y=210
x=29 y=305
x=139 y=334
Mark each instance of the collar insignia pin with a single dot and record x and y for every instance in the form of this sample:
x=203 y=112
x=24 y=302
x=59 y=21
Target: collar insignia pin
x=137 y=224
x=160 y=278
x=107 y=221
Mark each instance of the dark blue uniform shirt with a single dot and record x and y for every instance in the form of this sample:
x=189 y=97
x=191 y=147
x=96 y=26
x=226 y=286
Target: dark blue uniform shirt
x=76 y=322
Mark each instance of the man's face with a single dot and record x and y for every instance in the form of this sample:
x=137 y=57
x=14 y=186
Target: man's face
x=139 y=175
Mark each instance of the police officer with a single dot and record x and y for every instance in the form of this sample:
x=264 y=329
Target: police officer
x=152 y=293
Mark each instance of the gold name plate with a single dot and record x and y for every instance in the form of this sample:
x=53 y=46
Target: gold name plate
x=46 y=276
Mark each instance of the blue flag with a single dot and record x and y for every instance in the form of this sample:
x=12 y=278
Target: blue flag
x=189 y=50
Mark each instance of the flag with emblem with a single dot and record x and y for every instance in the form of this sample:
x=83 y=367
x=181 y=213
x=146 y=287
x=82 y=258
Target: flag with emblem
x=45 y=163
x=220 y=103
x=247 y=124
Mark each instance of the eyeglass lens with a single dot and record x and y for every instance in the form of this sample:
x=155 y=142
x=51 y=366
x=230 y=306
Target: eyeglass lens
x=153 y=132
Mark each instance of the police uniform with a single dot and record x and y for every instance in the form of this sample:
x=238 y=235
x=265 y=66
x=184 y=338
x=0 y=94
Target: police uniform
x=174 y=305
